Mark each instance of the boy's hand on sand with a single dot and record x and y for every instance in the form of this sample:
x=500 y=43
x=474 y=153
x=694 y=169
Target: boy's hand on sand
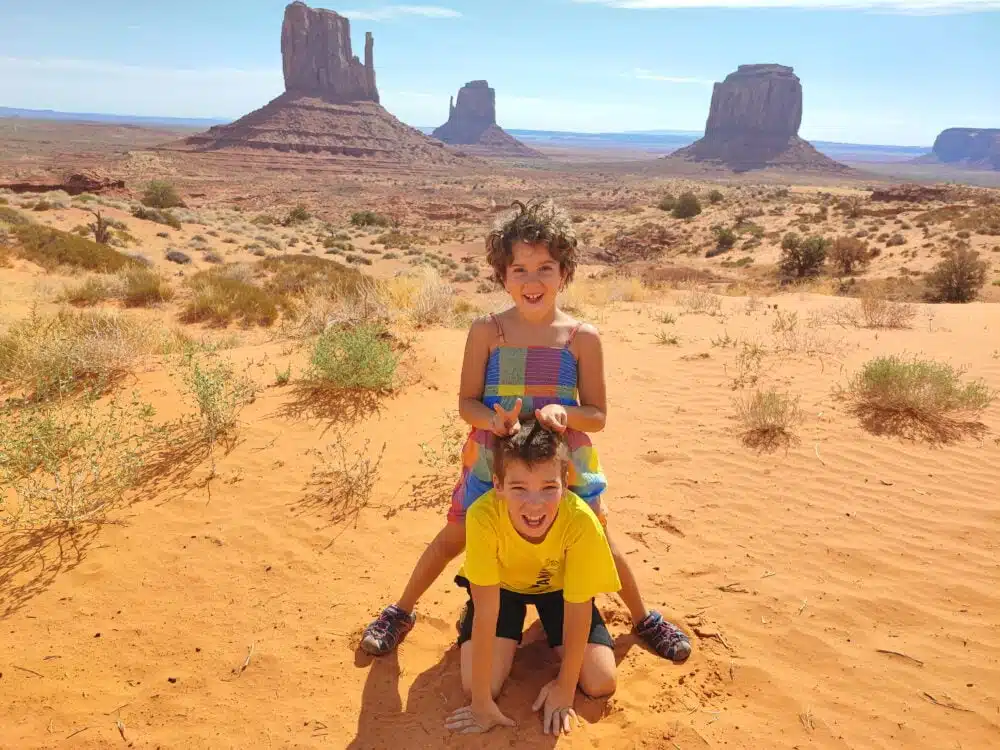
x=473 y=720
x=506 y=423
x=556 y=704
x=553 y=417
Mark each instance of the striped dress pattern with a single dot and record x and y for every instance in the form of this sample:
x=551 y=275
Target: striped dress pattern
x=539 y=376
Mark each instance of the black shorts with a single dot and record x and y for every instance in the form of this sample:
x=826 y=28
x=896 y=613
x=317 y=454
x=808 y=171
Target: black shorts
x=514 y=608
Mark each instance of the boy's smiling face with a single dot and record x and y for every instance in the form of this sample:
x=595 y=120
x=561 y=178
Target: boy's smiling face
x=532 y=494
x=533 y=279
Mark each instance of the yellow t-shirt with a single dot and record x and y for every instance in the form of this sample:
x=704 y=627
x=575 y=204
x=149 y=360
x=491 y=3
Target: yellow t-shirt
x=573 y=558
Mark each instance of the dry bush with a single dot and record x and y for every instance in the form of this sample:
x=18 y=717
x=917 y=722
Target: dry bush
x=984 y=220
x=959 y=277
x=424 y=296
x=767 y=418
x=748 y=364
x=68 y=463
x=343 y=480
x=848 y=253
x=135 y=286
x=603 y=291
x=50 y=355
x=296 y=275
x=916 y=398
x=158 y=216
x=698 y=302
x=219 y=299
x=644 y=242
x=877 y=312
x=52 y=248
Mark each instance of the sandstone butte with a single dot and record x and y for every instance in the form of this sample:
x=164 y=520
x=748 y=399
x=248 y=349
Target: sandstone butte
x=472 y=121
x=754 y=123
x=967 y=147
x=330 y=105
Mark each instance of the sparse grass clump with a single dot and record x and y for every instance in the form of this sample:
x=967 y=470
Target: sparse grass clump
x=915 y=396
x=767 y=418
x=161 y=194
x=959 y=277
x=142 y=287
x=160 y=217
x=369 y=219
x=877 y=312
x=219 y=395
x=219 y=299
x=47 y=356
x=51 y=248
x=68 y=463
x=359 y=357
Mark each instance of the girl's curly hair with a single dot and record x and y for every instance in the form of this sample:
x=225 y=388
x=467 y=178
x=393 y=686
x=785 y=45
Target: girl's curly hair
x=536 y=222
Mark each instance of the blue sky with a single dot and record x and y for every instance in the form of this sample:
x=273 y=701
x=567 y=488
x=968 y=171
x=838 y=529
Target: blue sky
x=873 y=71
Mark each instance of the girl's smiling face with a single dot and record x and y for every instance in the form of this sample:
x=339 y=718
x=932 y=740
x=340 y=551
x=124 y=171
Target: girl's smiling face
x=533 y=279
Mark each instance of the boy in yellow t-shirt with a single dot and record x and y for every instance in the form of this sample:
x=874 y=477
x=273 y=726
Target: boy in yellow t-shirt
x=531 y=541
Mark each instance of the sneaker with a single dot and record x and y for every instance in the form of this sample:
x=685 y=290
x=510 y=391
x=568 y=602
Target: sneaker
x=664 y=638
x=387 y=631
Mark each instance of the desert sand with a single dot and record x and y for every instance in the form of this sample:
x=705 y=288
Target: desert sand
x=840 y=585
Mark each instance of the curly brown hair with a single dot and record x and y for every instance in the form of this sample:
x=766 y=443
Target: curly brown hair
x=538 y=221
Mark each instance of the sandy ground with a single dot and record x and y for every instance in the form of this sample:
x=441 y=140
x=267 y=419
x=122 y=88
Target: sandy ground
x=844 y=587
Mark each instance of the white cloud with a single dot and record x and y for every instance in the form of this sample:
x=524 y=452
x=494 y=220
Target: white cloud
x=393 y=11
x=647 y=75
x=904 y=7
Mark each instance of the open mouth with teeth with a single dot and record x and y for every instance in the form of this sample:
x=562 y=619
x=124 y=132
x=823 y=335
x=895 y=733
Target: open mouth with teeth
x=534 y=522
x=533 y=299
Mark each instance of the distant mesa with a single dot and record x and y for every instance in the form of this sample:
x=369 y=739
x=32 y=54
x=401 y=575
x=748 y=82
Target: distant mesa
x=976 y=148
x=472 y=121
x=754 y=123
x=330 y=105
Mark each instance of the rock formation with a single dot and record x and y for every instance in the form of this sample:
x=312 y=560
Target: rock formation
x=472 y=121
x=754 y=123
x=968 y=147
x=330 y=105
x=317 y=59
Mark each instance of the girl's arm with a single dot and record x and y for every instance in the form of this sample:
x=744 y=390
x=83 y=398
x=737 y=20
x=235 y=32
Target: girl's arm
x=470 y=394
x=591 y=414
x=486 y=600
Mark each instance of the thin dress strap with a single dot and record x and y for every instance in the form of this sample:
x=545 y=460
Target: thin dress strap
x=572 y=334
x=496 y=322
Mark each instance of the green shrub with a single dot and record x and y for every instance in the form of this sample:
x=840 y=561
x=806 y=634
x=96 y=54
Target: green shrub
x=667 y=202
x=295 y=275
x=13 y=217
x=801 y=258
x=725 y=238
x=161 y=194
x=51 y=248
x=142 y=287
x=359 y=357
x=369 y=219
x=959 y=277
x=687 y=206
x=715 y=196
x=160 y=217
x=297 y=215
x=219 y=395
x=219 y=299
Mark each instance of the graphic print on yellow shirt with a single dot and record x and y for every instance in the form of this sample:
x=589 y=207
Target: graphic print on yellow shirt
x=573 y=558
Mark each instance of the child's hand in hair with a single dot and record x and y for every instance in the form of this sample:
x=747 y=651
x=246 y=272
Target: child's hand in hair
x=506 y=423
x=553 y=417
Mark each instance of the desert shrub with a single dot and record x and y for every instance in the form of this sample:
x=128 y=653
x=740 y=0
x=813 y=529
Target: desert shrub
x=48 y=356
x=68 y=464
x=852 y=207
x=296 y=275
x=915 y=390
x=351 y=258
x=358 y=357
x=369 y=219
x=298 y=215
x=142 y=287
x=462 y=277
x=219 y=395
x=390 y=256
x=984 y=220
x=848 y=253
x=895 y=240
x=13 y=217
x=43 y=205
x=767 y=418
x=877 y=312
x=715 y=196
x=802 y=257
x=219 y=299
x=667 y=202
x=161 y=194
x=687 y=206
x=699 y=302
x=160 y=217
x=264 y=220
x=210 y=256
x=51 y=248
x=88 y=292
x=725 y=238
x=959 y=277
x=176 y=256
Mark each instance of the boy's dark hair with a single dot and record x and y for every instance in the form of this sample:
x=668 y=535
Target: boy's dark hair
x=538 y=221
x=534 y=444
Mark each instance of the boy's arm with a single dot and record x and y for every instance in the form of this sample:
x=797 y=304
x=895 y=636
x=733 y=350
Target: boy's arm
x=576 y=630
x=486 y=600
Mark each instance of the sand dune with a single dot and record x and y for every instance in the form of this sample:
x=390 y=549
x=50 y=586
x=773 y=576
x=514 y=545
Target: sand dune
x=842 y=589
